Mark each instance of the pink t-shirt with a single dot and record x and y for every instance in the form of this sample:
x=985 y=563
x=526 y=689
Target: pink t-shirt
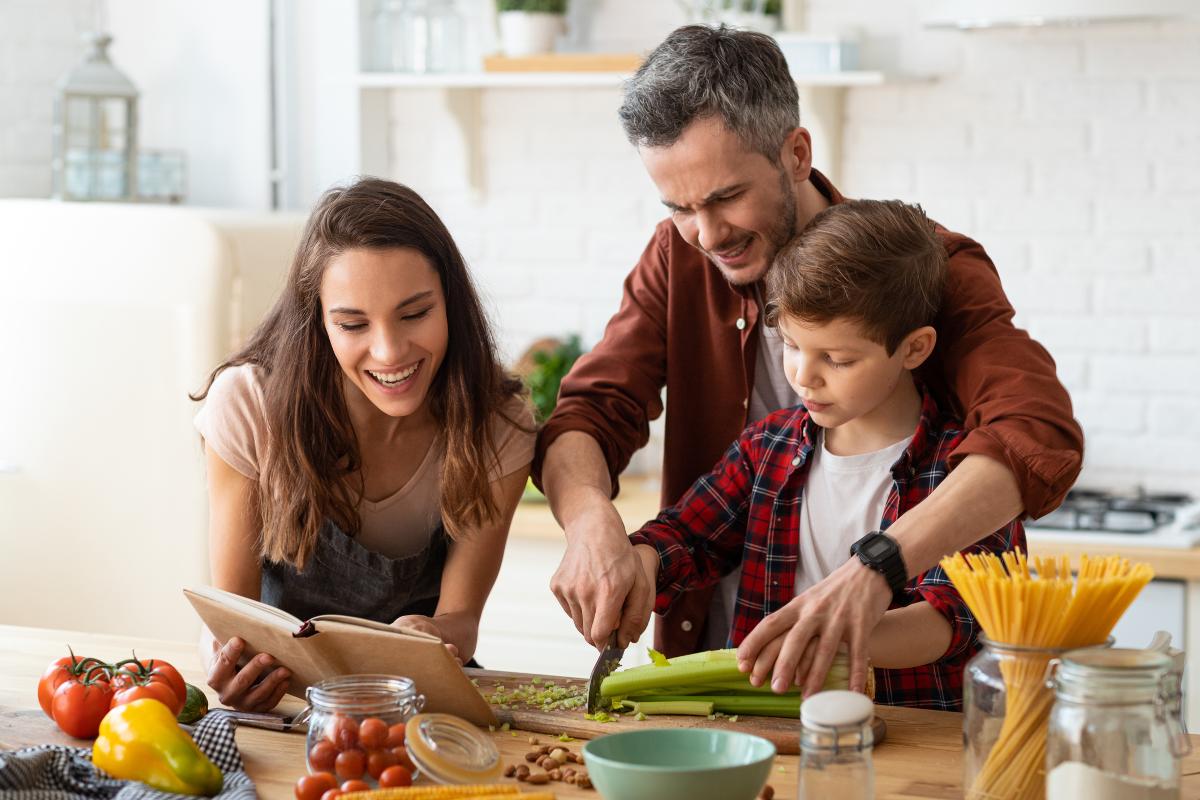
x=233 y=423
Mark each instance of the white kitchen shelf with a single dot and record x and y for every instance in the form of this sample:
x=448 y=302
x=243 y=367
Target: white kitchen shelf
x=554 y=80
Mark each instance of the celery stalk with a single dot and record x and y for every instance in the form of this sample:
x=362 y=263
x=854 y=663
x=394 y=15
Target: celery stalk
x=680 y=705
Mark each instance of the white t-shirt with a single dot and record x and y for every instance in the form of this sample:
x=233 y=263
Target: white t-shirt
x=233 y=422
x=844 y=498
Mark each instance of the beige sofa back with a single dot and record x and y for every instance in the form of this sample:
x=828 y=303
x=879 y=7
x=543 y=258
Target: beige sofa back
x=113 y=314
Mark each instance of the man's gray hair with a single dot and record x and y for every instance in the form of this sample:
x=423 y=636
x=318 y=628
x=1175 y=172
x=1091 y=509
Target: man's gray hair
x=700 y=71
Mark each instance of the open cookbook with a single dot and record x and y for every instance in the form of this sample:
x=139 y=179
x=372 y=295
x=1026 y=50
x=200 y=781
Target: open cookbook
x=331 y=644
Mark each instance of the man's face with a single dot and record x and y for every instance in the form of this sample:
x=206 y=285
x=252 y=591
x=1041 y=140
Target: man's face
x=731 y=203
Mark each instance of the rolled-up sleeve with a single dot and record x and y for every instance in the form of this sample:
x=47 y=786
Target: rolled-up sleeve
x=1015 y=409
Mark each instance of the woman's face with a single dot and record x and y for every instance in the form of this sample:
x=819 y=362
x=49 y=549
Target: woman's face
x=385 y=315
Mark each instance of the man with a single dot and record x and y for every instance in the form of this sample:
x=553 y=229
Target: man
x=715 y=117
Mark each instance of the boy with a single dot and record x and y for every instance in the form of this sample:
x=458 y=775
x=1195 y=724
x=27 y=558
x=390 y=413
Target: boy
x=852 y=298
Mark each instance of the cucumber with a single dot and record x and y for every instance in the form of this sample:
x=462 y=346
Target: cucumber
x=195 y=707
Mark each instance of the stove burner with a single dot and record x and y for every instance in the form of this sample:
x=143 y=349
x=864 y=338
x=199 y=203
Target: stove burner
x=1099 y=510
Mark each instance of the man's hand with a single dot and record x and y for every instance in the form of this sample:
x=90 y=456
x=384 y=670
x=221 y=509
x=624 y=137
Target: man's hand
x=600 y=582
x=797 y=643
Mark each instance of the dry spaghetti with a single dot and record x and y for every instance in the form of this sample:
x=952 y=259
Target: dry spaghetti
x=1044 y=610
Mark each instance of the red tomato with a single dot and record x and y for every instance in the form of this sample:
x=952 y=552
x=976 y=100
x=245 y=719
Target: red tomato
x=332 y=794
x=78 y=707
x=379 y=760
x=311 y=787
x=155 y=689
x=401 y=754
x=395 y=736
x=350 y=764
x=395 y=776
x=373 y=733
x=356 y=786
x=159 y=670
x=343 y=732
x=57 y=673
x=322 y=755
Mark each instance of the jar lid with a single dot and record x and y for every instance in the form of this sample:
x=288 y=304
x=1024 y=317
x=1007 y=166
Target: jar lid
x=1118 y=659
x=836 y=708
x=451 y=750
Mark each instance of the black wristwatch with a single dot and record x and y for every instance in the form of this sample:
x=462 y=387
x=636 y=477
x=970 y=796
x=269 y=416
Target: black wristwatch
x=880 y=552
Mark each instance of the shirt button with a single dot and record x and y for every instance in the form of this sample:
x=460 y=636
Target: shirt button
x=686 y=624
x=741 y=323
x=796 y=461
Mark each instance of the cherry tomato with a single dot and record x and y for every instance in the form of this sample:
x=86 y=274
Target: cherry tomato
x=350 y=764
x=395 y=776
x=78 y=707
x=356 y=786
x=332 y=794
x=57 y=673
x=401 y=754
x=343 y=732
x=373 y=733
x=155 y=690
x=395 y=736
x=322 y=756
x=379 y=760
x=311 y=787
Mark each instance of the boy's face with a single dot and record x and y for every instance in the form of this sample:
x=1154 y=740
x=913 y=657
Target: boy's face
x=839 y=373
x=729 y=202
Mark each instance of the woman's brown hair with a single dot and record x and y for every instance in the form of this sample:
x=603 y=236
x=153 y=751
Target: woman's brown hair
x=313 y=453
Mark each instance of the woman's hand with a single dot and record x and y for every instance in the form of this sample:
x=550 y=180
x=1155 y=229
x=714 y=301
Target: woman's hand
x=259 y=685
x=418 y=622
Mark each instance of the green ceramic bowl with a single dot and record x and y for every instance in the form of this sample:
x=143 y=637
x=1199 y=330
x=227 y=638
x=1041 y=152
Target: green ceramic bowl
x=685 y=763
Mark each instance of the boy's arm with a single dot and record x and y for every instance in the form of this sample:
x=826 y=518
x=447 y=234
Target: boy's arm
x=934 y=587
x=907 y=637
x=700 y=538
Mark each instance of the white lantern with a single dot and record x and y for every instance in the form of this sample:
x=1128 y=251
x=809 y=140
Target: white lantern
x=95 y=130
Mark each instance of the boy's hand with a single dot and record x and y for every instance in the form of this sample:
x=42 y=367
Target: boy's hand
x=797 y=643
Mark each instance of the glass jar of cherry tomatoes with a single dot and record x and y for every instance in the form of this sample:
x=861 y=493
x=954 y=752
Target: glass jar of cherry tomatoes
x=356 y=727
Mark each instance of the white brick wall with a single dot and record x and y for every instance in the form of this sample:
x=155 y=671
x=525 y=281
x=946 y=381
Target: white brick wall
x=1082 y=179
x=1070 y=154
x=39 y=42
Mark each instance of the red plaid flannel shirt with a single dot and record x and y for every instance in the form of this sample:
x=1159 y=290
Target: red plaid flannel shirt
x=746 y=512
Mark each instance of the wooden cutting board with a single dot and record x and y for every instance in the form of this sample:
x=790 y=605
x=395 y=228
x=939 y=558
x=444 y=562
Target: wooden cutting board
x=783 y=733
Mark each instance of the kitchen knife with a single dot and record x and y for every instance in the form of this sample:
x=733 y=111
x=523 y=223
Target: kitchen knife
x=606 y=664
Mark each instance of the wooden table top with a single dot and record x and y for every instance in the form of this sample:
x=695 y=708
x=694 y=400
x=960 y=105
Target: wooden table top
x=921 y=757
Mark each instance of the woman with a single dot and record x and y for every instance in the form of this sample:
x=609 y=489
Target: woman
x=365 y=450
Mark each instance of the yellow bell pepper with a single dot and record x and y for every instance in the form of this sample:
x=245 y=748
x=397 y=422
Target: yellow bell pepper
x=141 y=741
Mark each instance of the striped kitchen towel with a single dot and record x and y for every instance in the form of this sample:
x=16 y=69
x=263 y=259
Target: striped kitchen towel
x=59 y=772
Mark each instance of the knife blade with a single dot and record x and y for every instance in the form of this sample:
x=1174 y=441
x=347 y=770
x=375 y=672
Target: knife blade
x=606 y=664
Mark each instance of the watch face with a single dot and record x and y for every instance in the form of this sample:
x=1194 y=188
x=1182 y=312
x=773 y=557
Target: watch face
x=877 y=547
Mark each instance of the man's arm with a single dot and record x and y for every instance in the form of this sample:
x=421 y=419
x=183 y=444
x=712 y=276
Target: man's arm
x=599 y=583
x=1015 y=409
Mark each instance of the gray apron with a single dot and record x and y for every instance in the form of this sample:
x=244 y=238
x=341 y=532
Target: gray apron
x=343 y=577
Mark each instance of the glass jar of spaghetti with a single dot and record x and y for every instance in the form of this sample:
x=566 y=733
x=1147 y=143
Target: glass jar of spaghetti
x=1114 y=728
x=356 y=729
x=1006 y=705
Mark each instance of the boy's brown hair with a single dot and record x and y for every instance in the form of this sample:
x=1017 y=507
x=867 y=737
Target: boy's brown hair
x=879 y=262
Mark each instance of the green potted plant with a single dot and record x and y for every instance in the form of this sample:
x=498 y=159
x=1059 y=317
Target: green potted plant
x=543 y=366
x=529 y=27
x=756 y=15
